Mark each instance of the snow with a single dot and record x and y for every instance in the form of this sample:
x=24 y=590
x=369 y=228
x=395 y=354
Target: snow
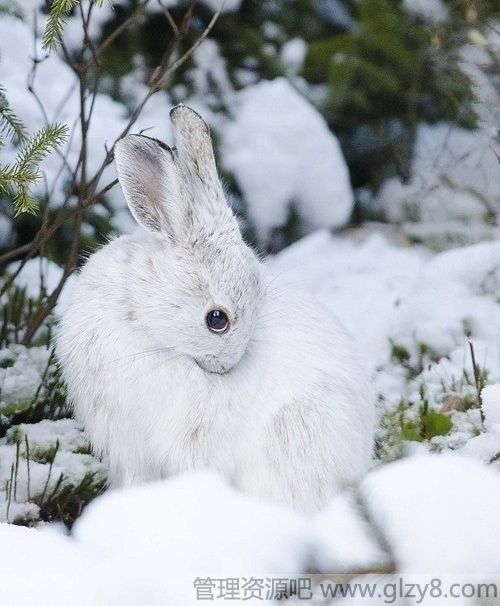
x=485 y=446
x=451 y=181
x=236 y=535
x=382 y=290
x=453 y=195
x=226 y=6
x=136 y=546
x=22 y=373
x=148 y=544
x=363 y=282
x=434 y=11
x=41 y=569
x=44 y=435
x=209 y=70
x=450 y=498
x=490 y=396
x=343 y=539
x=388 y=293
x=283 y=156
x=41 y=275
x=457 y=286
x=293 y=53
x=35 y=481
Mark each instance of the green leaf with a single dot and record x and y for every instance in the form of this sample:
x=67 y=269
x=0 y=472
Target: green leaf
x=436 y=424
x=411 y=431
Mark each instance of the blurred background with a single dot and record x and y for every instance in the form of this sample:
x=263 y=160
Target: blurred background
x=324 y=112
x=358 y=143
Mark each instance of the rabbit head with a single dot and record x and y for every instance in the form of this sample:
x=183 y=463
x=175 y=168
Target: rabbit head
x=200 y=286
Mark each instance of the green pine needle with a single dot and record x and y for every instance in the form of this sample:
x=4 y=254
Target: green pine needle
x=59 y=12
x=16 y=179
x=23 y=201
x=10 y=125
x=39 y=145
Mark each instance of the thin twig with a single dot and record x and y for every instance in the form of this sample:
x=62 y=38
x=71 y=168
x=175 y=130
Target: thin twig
x=87 y=189
x=477 y=376
x=139 y=11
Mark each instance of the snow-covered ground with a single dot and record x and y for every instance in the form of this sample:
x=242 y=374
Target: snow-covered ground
x=409 y=309
x=171 y=542
x=430 y=503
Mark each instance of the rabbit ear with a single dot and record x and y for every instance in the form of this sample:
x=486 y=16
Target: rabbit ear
x=195 y=152
x=152 y=185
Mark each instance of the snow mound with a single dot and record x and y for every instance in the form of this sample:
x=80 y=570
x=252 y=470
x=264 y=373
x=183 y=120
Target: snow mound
x=194 y=509
x=41 y=569
x=362 y=282
x=193 y=525
x=384 y=292
x=343 y=539
x=155 y=544
x=491 y=407
x=452 y=182
x=406 y=301
x=453 y=193
x=284 y=158
x=438 y=513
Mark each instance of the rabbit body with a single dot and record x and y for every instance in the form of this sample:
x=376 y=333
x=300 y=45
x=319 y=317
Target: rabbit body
x=279 y=403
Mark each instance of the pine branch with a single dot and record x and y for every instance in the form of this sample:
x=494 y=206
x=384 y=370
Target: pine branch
x=39 y=145
x=16 y=179
x=23 y=201
x=59 y=13
x=10 y=124
x=16 y=187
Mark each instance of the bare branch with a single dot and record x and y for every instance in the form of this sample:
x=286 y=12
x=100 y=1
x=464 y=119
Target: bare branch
x=162 y=72
x=139 y=11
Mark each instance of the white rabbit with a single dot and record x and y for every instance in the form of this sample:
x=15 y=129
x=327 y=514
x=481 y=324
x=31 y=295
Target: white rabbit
x=178 y=351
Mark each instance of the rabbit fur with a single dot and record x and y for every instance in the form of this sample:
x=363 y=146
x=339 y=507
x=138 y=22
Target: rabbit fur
x=279 y=403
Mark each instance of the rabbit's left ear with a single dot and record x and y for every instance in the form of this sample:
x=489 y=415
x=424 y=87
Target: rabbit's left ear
x=153 y=186
x=195 y=154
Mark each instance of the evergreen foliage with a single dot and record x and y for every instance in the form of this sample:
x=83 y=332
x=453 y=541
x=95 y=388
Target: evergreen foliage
x=10 y=124
x=17 y=178
x=59 y=12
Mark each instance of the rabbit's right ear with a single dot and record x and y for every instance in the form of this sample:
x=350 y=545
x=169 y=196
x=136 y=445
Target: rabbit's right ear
x=152 y=185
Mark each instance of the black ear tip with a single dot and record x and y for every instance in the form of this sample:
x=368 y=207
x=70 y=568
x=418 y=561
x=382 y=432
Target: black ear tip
x=157 y=141
x=177 y=108
x=183 y=114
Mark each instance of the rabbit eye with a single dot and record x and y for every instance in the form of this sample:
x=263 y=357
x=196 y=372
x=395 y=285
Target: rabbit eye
x=217 y=320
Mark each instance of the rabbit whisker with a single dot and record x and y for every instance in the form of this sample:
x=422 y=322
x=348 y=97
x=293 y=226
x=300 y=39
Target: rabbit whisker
x=139 y=353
